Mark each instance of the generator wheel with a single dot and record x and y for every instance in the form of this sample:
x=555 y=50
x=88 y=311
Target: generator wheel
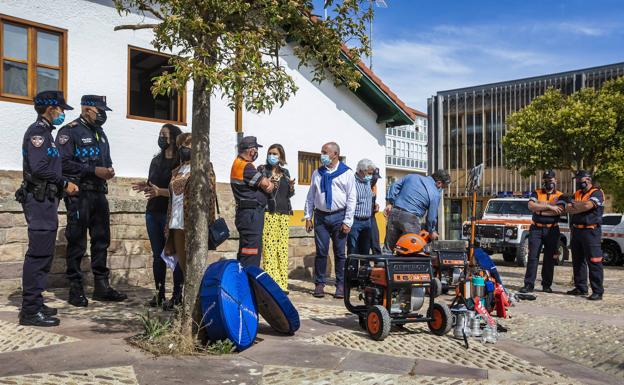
x=436 y=286
x=378 y=323
x=442 y=320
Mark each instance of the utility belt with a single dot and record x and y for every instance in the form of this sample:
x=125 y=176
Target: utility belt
x=94 y=187
x=40 y=191
x=248 y=204
x=547 y=225
x=592 y=226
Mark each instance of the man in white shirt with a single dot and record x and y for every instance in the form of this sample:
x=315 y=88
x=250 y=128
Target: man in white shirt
x=331 y=202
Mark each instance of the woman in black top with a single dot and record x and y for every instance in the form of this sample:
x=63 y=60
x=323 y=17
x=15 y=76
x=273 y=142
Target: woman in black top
x=156 y=189
x=277 y=216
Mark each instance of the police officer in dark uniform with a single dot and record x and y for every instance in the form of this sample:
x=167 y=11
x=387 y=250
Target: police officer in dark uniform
x=586 y=219
x=86 y=159
x=250 y=189
x=547 y=207
x=39 y=195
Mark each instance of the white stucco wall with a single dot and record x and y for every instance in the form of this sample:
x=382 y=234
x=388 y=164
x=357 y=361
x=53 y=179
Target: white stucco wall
x=97 y=64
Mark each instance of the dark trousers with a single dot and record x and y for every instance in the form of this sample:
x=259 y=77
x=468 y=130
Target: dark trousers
x=88 y=211
x=249 y=223
x=586 y=252
x=42 y=220
x=375 y=245
x=400 y=222
x=546 y=238
x=156 y=223
x=359 y=238
x=328 y=226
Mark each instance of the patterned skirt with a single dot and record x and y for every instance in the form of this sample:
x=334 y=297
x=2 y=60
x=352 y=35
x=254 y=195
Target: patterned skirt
x=275 y=247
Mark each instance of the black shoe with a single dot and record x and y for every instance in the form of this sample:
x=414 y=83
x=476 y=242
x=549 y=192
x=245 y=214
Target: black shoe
x=547 y=289
x=339 y=292
x=595 y=297
x=526 y=289
x=48 y=311
x=156 y=301
x=77 y=296
x=576 y=291
x=103 y=292
x=172 y=303
x=38 y=319
x=319 y=290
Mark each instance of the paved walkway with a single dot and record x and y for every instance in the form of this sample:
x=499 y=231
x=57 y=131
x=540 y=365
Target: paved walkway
x=553 y=340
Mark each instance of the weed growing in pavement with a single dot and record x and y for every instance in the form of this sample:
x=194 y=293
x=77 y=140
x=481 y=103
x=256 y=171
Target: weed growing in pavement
x=162 y=337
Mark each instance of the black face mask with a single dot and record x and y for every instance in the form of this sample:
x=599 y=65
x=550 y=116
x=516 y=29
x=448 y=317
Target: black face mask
x=185 y=154
x=163 y=142
x=254 y=157
x=549 y=186
x=581 y=185
x=100 y=118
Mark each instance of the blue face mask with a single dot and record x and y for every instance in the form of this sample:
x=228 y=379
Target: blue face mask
x=59 y=119
x=325 y=160
x=272 y=159
x=368 y=178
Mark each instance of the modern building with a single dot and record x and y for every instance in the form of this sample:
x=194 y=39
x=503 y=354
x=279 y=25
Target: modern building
x=71 y=45
x=467 y=126
x=406 y=148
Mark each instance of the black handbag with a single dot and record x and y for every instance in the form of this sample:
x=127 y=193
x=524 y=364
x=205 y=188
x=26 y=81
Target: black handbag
x=218 y=232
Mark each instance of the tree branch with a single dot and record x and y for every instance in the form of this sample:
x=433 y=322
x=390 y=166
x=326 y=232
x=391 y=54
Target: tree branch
x=145 y=7
x=135 y=27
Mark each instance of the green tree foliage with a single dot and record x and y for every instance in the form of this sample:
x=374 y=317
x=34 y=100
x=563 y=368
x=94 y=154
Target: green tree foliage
x=584 y=130
x=231 y=48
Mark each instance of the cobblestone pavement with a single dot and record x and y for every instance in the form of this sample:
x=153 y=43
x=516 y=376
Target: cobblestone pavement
x=284 y=375
x=123 y=375
x=330 y=346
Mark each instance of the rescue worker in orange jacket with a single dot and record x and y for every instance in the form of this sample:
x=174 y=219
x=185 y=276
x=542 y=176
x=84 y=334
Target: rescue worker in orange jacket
x=586 y=219
x=544 y=233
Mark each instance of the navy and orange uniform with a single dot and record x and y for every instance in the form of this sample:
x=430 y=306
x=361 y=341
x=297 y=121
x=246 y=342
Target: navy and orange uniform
x=586 y=240
x=544 y=235
x=250 y=204
x=83 y=147
x=39 y=195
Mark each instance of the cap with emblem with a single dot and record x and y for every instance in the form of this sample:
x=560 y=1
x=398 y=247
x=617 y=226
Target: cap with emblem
x=582 y=174
x=548 y=174
x=51 y=98
x=95 y=101
x=248 y=142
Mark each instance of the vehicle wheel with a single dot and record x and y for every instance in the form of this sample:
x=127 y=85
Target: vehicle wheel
x=562 y=254
x=436 y=286
x=610 y=254
x=362 y=321
x=509 y=256
x=378 y=323
x=522 y=252
x=442 y=320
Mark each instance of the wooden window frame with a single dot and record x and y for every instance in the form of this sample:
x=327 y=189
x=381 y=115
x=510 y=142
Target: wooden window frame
x=181 y=95
x=308 y=180
x=31 y=60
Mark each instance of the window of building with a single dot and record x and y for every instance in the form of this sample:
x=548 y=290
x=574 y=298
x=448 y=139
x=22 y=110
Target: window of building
x=143 y=67
x=308 y=162
x=33 y=58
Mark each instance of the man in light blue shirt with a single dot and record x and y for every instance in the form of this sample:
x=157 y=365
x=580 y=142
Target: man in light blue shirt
x=407 y=202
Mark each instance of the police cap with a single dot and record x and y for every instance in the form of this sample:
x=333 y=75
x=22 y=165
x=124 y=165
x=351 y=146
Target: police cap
x=51 y=98
x=582 y=174
x=248 y=142
x=95 y=101
x=549 y=174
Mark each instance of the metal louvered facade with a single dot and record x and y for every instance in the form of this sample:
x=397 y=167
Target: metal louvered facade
x=467 y=126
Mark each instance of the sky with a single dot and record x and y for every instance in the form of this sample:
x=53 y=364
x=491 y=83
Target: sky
x=422 y=47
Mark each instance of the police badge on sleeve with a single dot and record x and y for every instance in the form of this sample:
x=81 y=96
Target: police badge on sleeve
x=63 y=139
x=37 y=140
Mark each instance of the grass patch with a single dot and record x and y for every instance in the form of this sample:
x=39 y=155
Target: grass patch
x=162 y=337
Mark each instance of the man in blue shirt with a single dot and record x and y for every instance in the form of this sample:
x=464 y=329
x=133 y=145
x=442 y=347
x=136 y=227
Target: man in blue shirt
x=408 y=200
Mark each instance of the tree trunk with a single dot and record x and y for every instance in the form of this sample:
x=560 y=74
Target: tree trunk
x=200 y=190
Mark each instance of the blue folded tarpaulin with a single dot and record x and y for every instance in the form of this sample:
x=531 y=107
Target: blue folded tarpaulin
x=485 y=261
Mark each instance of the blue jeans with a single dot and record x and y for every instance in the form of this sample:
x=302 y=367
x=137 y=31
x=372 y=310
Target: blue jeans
x=359 y=240
x=328 y=226
x=156 y=223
